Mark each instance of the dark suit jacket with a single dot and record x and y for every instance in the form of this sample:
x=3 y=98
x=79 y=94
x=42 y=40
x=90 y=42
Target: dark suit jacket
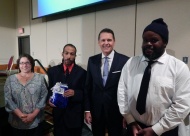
x=72 y=116
x=97 y=95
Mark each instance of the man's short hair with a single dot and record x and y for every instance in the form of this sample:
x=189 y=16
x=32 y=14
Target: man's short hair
x=106 y=30
x=71 y=45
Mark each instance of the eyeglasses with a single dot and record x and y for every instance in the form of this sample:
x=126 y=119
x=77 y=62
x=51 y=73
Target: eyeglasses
x=26 y=63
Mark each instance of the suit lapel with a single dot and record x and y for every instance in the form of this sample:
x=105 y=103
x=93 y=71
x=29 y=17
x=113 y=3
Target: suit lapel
x=73 y=72
x=98 y=63
x=72 y=75
x=62 y=74
x=114 y=63
x=113 y=67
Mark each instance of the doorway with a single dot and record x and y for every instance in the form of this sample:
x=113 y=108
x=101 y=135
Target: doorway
x=24 y=45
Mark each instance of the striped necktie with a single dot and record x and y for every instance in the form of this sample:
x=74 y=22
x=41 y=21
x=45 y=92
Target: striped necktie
x=105 y=70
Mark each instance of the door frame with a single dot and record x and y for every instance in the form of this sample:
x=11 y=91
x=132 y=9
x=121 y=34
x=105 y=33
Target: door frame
x=20 y=44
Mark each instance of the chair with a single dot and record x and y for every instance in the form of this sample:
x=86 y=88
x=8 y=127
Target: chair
x=54 y=62
x=4 y=73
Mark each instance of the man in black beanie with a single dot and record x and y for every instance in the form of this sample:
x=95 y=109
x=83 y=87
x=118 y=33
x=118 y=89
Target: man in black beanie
x=154 y=88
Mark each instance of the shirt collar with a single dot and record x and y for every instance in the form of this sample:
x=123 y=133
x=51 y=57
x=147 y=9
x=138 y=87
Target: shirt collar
x=70 y=67
x=161 y=59
x=110 y=56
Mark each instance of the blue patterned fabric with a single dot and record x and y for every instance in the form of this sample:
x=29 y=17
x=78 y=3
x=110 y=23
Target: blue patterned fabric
x=26 y=97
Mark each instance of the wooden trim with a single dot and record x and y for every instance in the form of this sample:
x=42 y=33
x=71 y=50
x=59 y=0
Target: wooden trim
x=4 y=66
x=38 y=69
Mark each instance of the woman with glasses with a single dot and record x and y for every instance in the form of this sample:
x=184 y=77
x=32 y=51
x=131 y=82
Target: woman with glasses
x=25 y=97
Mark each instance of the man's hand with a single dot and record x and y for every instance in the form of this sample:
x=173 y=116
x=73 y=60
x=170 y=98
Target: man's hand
x=134 y=128
x=124 y=123
x=69 y=93
x=51 y=104
x=88 y=118
x=147 y=132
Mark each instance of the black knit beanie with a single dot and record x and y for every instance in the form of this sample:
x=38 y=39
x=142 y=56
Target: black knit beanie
x=160 y=27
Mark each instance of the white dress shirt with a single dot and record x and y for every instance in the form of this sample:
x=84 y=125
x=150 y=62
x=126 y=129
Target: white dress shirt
x=168 y=98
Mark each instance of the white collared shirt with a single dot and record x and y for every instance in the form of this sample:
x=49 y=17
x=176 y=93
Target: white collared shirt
x=110 y=60
x=168 y=98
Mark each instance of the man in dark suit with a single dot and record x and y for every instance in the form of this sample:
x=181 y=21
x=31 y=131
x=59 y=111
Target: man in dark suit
x=101 y=108
x=68 y=121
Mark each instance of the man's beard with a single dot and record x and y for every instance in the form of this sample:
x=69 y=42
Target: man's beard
x=156 y=53
x=68 y=62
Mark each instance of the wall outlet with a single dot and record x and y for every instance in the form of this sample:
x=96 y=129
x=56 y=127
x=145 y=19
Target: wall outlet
x=185 y=59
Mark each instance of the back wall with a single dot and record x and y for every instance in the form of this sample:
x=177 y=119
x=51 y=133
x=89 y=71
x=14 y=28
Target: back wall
x=47 y=38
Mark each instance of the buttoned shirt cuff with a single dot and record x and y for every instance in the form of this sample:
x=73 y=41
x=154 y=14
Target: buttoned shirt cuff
x=158 y=129
x=129 y=118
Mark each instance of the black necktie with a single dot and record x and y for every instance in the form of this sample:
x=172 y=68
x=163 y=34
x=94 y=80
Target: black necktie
x=67 y=74
x=141 y=100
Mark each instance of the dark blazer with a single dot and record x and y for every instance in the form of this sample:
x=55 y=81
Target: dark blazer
x=97 y=95
x=72 y=115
